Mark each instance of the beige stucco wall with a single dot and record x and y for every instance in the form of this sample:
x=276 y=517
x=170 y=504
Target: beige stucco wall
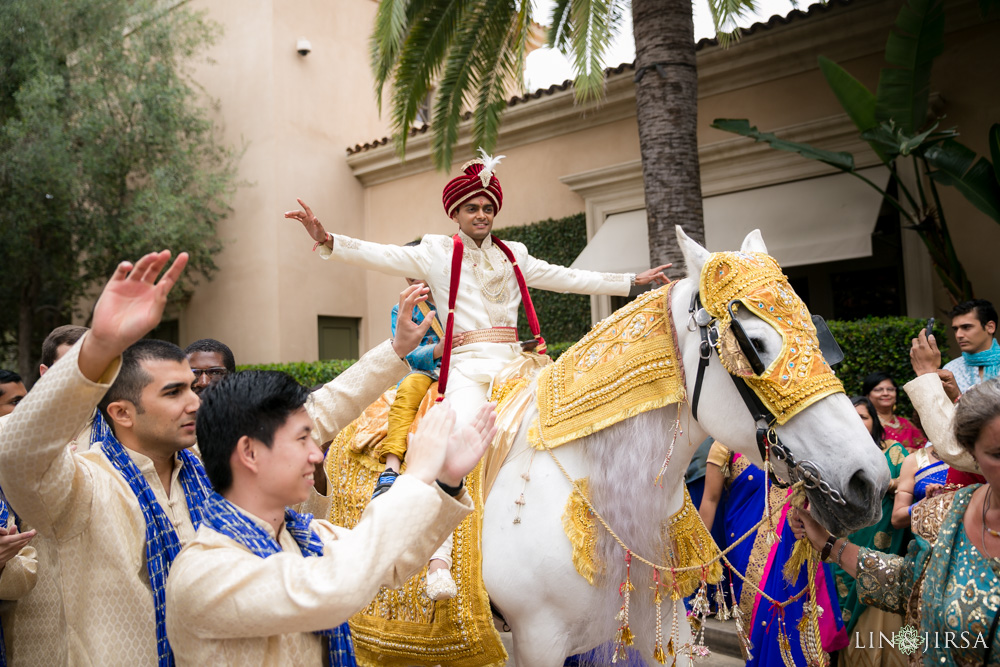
x=298 y=115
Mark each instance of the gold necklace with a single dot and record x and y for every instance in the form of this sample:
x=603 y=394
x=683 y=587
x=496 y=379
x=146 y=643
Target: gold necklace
x=493 y=289
x=986 y=506
x=891 y=423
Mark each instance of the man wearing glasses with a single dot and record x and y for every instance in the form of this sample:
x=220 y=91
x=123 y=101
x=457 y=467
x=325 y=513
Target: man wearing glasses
x=210 y=361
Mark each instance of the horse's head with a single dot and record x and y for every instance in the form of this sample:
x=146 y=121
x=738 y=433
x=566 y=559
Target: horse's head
x=767 y=385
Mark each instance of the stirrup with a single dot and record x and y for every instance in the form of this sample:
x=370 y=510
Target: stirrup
x=440 y=585
x=385 y=480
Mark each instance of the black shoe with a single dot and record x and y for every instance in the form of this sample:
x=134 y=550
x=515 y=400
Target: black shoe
x=385 y=480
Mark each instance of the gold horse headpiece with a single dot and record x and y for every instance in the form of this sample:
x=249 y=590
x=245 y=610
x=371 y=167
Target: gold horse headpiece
x=799 y=376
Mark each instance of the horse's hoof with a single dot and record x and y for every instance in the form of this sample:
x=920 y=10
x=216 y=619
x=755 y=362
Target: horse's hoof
x=440 y=585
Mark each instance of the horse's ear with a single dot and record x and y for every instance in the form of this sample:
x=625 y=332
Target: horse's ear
x=695 y=255
x=754 y=242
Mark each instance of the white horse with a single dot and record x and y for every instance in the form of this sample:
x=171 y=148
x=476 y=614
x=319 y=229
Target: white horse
x=528 y=570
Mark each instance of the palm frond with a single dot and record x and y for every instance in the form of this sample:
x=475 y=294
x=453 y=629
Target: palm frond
x=497 y=67
x=591 y=36
x=725 y=18
x=387 y=38
x=561 y=26
x=425 y=50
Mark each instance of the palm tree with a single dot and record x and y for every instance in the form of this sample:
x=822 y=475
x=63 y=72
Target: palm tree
x=471 y=50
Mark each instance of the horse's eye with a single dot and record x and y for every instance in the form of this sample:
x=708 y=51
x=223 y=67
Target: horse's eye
x=758 y=344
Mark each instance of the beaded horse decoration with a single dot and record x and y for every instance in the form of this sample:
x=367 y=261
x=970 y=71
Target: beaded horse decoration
x=799 y=376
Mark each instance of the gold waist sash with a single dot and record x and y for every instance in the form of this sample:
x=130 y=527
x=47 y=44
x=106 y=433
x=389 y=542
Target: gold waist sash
x=492 y=335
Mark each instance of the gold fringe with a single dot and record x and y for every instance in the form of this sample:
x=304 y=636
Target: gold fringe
x=581 y=529
x=687 y=543
x=803 y=551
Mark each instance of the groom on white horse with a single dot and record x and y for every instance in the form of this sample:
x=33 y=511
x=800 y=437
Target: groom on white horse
x=483 y=294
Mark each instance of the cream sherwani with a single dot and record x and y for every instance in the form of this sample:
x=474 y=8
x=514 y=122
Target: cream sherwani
x=937 y=412
x=86 y=510
x=488 y=296
x=30 y=625
x=227 y=606
x=16 y=581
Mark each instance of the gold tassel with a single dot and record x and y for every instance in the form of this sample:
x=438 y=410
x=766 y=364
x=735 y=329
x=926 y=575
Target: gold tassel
x=700 y=607
x=803 y=551
x=624 y=635
x=784 y=645
x=746 y=646
x=678 y=431
x=657 y=600
x=770 y=535
x=812 y=643
x=722 y=612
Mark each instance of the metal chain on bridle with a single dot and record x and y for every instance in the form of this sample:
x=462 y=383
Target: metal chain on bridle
x=768 y=441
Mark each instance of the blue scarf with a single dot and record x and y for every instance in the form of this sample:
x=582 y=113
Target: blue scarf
x=989 y=360
x=224 y=518
x=162 y=544
x=4 y=518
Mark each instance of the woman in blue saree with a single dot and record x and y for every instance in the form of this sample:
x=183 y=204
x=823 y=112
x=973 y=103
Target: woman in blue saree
x=732 y=479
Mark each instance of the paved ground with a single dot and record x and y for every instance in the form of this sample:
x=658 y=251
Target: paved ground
x=720 y=637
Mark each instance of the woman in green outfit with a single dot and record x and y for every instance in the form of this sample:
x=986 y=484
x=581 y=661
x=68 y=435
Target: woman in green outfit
x=948 y=585
x=859 y=618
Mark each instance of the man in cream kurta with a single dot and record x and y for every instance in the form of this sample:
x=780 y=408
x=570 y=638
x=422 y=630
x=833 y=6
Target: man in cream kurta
x=488 y=294
x=227 y=604
x=83 y=505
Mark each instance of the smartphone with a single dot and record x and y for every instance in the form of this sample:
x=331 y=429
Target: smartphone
x=930 y=328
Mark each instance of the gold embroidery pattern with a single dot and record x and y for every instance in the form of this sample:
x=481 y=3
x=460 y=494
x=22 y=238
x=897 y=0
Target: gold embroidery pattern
x=929 y=514
x=878 y=580
x=404 y=627
x=687 y=543
x=581 y=529
x=493 y=274
x=346 y=242
x=799 y=376
x=626 y=365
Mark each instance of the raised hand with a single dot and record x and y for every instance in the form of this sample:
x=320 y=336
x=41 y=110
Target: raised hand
x=408 y=333
x=309 y=220
x=925 y=357
x=428 y=446
x=130 y=306
x=653 y=276
x=467 y=445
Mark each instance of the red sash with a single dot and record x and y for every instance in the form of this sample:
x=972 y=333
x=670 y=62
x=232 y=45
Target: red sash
x=456 y=274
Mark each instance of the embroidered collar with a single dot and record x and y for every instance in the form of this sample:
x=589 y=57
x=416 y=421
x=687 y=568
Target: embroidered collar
x=470 y=243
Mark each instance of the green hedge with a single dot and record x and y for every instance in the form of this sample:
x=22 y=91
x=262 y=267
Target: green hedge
x=881 y=344
x=562 y=316
x=873 y=344
x=308 y=373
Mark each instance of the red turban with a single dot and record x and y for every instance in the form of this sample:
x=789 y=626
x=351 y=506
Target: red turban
x=477 y=179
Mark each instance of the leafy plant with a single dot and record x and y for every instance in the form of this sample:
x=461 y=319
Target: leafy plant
x=562 y=316
x=894 y=122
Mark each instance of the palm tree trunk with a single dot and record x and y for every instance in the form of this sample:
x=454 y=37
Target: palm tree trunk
x=666 y=100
